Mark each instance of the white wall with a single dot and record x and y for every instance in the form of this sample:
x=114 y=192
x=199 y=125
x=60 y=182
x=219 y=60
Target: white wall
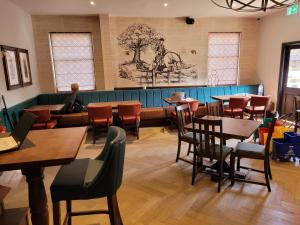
x=16 y=31
x=275 y=30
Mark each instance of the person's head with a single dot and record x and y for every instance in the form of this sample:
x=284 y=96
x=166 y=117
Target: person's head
x=74 y=87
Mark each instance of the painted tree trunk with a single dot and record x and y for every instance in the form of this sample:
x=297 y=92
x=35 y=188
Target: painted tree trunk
x=137 y=55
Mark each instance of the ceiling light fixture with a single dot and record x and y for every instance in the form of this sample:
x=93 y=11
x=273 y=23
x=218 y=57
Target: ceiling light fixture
x=253 y=5
x=165 y=4
x=92 y=3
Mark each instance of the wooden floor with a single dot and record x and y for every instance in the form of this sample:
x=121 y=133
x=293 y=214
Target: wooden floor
x=158 y=191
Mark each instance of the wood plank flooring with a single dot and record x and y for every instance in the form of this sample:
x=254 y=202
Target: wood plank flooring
x=158 y=191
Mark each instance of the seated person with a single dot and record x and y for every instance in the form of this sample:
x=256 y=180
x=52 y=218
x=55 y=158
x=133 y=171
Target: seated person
x=72 y=103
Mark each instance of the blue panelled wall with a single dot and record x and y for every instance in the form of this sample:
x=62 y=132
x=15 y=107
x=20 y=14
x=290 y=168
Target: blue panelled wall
x=148 y=98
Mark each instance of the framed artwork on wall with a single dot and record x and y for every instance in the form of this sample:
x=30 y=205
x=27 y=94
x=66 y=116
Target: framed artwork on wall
x=11 y=67
x=24 y=65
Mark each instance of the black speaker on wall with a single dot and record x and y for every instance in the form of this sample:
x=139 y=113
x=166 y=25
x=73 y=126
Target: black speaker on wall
x=189 y=20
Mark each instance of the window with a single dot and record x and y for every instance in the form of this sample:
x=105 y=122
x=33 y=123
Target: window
x=223 y=58
x=72 y=60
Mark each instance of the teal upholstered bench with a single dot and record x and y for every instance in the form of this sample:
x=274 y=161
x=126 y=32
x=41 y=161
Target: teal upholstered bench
x=152 y=99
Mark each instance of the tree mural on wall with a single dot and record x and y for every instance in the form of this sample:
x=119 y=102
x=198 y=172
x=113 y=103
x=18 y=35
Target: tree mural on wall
x=137 y=38
x=166 y=66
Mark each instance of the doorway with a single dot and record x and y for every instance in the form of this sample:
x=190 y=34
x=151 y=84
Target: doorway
x=289 y=79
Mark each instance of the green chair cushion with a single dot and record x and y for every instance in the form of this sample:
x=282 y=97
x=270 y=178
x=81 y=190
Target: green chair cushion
x=250 y=150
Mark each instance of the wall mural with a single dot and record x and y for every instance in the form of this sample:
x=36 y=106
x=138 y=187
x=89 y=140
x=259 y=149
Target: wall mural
x=151 y=63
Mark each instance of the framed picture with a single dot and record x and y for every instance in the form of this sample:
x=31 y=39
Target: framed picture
x=11 y=67
x=24 y=65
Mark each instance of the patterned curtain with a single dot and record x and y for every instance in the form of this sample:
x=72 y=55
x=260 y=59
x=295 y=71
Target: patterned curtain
x=73 y=61
x=223 y=58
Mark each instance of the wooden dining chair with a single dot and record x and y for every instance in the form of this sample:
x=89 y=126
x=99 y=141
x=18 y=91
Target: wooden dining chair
x=184 y=117
x=44 y=120
x=206 y=130
x=214 y=108
x=258 y=106
x=130 y=116
x=253 y=151
x=235 y=107
x=100 y=118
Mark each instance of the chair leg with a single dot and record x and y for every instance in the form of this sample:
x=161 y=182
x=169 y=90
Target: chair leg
x=69 y=210
x=267 y=175
x=220 y=175
x=94 y=136
x=137 y=130
x=178 y=149
x=114 y=212
x=56 y=213
x=238 y=166
x=232 y=167
x=189 y=149
x=269 y=170
x=194 y=168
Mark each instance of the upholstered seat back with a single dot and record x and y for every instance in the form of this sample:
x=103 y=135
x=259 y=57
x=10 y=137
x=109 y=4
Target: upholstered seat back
x=239 y=103
x=43 y=115
x=109 y=178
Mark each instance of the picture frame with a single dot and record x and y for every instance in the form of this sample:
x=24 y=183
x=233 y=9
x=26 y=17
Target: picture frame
x=24 y=67
x=11 y=67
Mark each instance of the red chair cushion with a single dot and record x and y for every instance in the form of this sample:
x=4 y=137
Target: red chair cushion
x=39 y=126
x=235 y=111
x=131 y=119
x=103 y=121
x=257 y=109
x=3 y=129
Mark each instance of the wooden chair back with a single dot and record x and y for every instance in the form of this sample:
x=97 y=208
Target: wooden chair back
x=208 y=130
x=184 y=116
x=214 y=109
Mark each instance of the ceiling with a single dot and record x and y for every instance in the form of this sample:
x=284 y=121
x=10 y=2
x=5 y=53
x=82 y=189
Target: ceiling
x=133 y=8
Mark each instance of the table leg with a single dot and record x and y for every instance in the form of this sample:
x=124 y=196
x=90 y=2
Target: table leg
x=37 y=196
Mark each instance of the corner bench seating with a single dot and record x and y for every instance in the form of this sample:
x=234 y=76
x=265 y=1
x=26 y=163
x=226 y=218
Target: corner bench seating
x=154 y=110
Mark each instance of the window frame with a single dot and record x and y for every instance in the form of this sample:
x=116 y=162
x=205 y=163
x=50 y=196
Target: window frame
x=53 y=65
x=238 y=61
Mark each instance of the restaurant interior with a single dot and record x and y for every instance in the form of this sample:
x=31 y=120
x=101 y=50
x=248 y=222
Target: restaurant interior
x=162 y=112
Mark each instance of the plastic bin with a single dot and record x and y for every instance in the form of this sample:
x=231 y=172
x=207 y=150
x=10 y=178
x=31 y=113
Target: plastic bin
x=281 y=147
x=261 y=132
x=292 y=137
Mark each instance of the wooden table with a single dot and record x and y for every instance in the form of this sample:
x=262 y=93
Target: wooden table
x=114 y=105
x=170 y=101
x=225 y=98
x=42 y=148
x=234 y=128
x=52 y=108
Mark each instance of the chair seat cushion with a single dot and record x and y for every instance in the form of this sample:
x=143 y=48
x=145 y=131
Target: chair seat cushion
x=250 y=150
x=50 y=125
x=225 y=152
x=257 y=109
x=72 y=180
x=235 y=111
x=189 y=137
x=130 y=119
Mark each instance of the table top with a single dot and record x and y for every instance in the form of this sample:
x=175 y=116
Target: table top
x=227 y=97
x=170 y=101
x=114 y=105
x=234 y=128
x=44 y=148
x=52 y=108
